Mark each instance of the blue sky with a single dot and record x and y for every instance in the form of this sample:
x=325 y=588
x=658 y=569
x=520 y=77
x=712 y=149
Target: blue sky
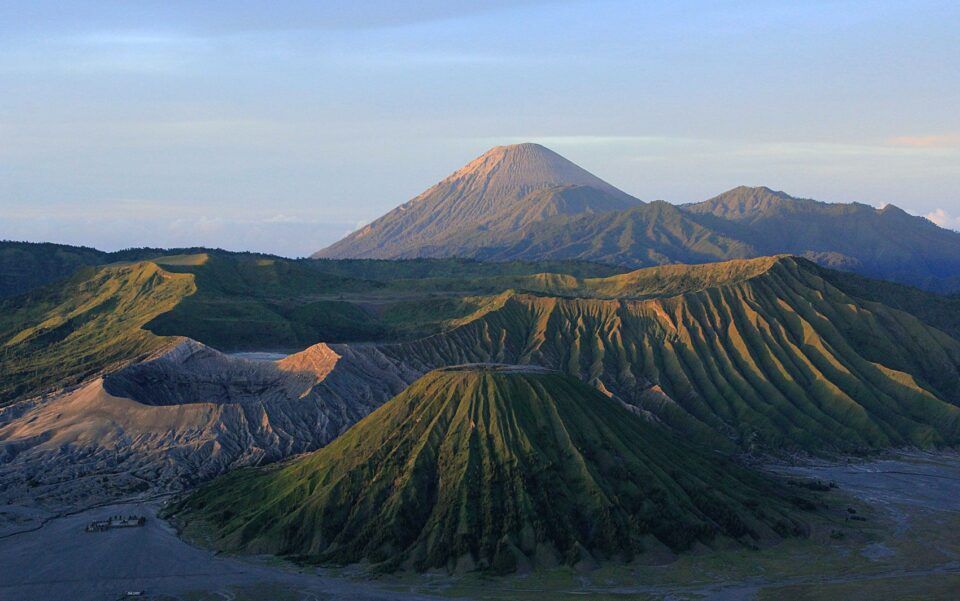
x=281 y=126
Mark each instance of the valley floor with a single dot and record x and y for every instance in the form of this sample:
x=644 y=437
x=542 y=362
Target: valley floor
x=907 y=547
x=62 y=561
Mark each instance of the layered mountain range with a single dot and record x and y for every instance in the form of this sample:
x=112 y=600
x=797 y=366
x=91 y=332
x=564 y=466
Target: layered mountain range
x=773 y=354
x=526 y=202
x=555 y=373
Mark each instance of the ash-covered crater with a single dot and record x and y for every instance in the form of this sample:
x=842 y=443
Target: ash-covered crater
x=194 y=373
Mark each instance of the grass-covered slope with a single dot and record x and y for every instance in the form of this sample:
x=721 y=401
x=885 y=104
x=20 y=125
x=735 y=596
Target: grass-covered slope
x=652 y=282
x=61 y=334
x=490 y=467
x=25 y=266
x=937 y=310
x=781 y=360
x=254 y=302
x=455 y=269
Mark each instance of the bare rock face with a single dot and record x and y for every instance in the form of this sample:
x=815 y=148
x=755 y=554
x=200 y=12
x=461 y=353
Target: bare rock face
x=183 y=417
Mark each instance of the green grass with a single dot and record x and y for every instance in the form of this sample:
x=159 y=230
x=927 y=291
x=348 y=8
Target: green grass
x=26 y=265
x=942 y=312
x=103 y=317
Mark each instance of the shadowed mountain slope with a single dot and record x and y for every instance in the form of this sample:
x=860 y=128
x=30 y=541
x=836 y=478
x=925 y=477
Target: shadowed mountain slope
x=26 y=265
x=506 y=188
x=937 y=310
x=747 y=222
x=657 y=233
x=884 y=243
x=491 y=468
x=746 y=204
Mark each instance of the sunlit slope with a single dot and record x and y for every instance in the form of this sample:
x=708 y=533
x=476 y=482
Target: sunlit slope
x=25 y=266
x=490 y=468
x=666 y=280
x=252 y=302
x=63 y=333
x=781 y=359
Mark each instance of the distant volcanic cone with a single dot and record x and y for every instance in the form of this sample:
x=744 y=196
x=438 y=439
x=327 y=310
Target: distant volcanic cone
x=507 y=187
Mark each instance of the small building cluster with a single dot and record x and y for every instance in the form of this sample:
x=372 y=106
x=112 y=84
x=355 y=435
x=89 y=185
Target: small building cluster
x=116 y=521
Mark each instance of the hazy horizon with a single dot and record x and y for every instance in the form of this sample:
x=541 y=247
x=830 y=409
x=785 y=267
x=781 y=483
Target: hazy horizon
x=281 y=128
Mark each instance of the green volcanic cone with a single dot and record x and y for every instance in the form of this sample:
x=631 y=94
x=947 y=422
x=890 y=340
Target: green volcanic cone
x=490 y=467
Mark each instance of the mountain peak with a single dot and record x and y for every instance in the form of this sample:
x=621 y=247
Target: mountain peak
x=524 y=167
x=754 y=193
x=745 y=203
x=892 y=209
x=492 y=195
x=520 y=147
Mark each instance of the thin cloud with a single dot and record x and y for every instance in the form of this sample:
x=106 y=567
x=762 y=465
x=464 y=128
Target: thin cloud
x=944 y=219
x=132 y=39
x=931 y=141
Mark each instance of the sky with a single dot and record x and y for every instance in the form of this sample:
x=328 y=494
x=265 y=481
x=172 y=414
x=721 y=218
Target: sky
x=282 y=126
